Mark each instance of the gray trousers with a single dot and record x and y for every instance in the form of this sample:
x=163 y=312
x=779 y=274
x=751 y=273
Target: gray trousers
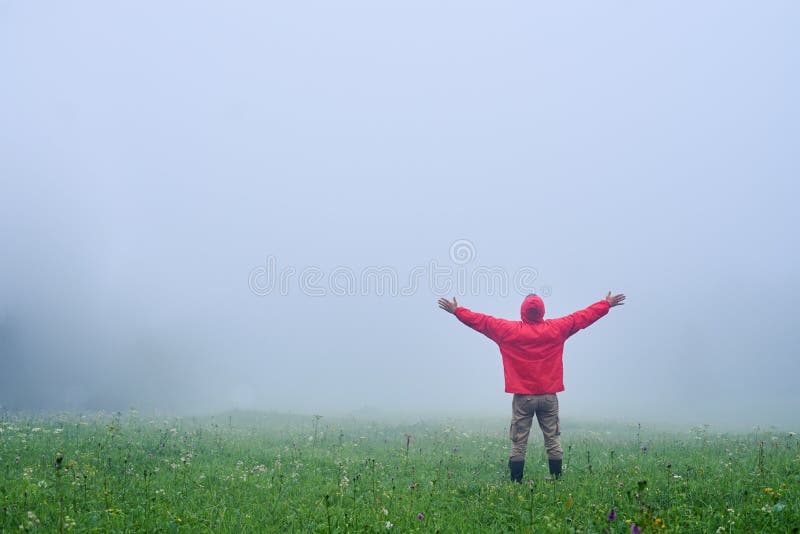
x=545 y=408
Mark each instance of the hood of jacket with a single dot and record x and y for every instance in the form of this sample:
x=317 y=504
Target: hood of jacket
x=532 y=310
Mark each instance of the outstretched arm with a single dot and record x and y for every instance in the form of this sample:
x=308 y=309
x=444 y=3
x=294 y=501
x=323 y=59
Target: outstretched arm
x=491 y=327
x=583 y=318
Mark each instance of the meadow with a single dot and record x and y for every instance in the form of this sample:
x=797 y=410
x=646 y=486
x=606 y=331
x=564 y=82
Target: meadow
x=260 y=472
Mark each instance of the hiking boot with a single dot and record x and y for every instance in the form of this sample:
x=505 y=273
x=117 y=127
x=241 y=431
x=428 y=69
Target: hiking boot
x=516 y=467
x=555 y=468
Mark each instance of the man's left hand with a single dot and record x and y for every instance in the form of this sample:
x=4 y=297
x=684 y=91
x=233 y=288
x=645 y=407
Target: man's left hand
x=446 y=305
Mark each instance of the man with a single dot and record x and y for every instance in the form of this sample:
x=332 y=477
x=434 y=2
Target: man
x=532 y=352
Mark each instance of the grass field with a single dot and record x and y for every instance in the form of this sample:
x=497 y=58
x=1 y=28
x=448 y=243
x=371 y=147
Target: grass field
x=255 y=472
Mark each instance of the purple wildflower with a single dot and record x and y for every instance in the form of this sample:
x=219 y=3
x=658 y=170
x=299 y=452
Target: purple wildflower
x=635 y=529
x=612 y=515
x=455 y=449
x=420 y=516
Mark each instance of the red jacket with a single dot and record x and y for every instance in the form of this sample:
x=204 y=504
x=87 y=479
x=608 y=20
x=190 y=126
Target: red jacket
x=532 y=348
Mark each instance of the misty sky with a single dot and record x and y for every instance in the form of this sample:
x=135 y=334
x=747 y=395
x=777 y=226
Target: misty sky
x=158 y=160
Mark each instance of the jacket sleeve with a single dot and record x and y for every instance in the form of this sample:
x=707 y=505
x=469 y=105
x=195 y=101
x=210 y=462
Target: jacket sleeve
x=492 y=327
x=579 y=320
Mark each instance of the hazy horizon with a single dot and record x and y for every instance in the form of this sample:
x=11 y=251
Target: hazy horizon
x=256 y=206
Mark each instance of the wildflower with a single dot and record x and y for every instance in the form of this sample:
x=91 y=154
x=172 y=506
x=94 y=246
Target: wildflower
x=676 y=475
x=548 y=478
x=635 y=529
x=388 y=525
x=413 y=485
x=420 y=516
x=455 y=450
x=385 y=511
x=612 y=515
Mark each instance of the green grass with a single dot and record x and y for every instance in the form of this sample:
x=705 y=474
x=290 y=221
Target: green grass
x=250 y=472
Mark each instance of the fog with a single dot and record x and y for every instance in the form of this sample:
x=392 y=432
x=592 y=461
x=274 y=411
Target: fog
x=255 y=205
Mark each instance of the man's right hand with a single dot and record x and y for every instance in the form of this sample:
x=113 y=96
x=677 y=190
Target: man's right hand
x=616 y=300
x=446 y=305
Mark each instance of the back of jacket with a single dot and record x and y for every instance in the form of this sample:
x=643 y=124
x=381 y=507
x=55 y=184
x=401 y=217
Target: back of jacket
x=532 y=348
